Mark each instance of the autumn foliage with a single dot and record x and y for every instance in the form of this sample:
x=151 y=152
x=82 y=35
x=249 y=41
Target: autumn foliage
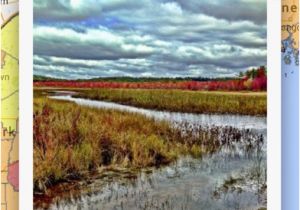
x=253 y=80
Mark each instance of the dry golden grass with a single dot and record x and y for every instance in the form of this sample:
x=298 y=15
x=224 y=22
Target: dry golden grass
x=71 y=141
x=245 y=103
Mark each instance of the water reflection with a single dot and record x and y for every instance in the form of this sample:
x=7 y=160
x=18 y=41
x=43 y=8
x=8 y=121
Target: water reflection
x=232 y=177
x=237 y=121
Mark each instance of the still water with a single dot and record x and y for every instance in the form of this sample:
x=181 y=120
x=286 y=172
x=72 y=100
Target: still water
x=232 y=178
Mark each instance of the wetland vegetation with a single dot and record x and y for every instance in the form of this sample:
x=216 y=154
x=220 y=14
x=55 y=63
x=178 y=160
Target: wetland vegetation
x=75 y=143
x=245 y=103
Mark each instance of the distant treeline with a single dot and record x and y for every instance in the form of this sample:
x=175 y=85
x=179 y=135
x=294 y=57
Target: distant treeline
x=250 y=74
x=39 y=78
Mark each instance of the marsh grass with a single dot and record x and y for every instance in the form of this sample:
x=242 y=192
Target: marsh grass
x=183 y=101
x=71 y=141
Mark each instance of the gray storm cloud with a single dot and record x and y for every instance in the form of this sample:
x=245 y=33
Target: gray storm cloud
x=94 y=38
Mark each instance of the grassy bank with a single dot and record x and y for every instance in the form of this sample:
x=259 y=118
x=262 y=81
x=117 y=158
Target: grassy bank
x=71 y=142
x=184 y=101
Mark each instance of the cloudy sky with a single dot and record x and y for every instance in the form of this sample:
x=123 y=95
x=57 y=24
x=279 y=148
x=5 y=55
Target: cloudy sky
x=148 y=38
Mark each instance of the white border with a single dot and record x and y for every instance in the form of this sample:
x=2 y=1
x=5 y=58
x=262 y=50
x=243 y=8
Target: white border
x=274 y=104
x=26 y=104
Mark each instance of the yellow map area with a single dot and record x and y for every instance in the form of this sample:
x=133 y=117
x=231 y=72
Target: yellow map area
x=9 y=105
x=290 y=21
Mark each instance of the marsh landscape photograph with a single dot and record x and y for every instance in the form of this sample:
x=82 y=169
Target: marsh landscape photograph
x=150 y=105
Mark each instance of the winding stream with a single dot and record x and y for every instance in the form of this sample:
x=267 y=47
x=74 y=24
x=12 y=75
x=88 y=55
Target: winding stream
x=228 y=179
x=237 y=121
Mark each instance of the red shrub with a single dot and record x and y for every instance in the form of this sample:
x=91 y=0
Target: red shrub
x=258 y=84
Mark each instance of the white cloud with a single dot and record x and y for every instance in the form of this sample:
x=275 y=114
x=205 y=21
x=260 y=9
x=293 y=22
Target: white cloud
x=92 y=38
x=96 y=43
x=172 y=8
